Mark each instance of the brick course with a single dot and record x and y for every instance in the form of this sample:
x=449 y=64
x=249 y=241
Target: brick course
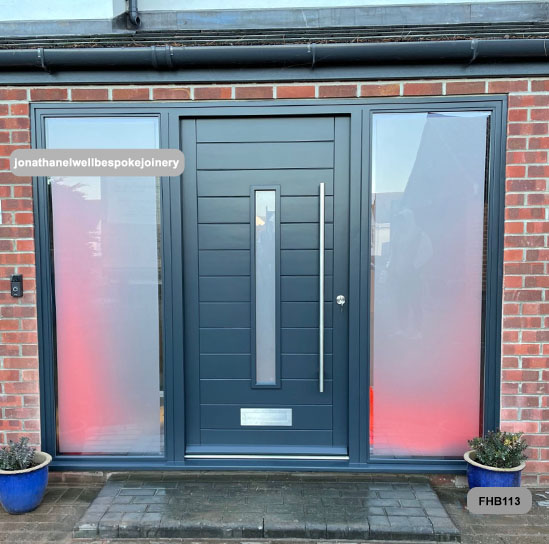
x=525 y=345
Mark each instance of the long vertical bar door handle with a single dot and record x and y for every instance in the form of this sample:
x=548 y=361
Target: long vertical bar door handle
x=321 y=294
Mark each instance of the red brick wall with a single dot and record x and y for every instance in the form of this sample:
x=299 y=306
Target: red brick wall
x=525 y=354
x=525 y=358
x=18 y=338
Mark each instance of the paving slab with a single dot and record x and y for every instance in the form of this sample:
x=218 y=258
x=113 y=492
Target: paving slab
x=69 y=495
x=240 y=506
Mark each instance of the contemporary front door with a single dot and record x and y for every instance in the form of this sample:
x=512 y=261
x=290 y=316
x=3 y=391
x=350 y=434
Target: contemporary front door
x=256 y=191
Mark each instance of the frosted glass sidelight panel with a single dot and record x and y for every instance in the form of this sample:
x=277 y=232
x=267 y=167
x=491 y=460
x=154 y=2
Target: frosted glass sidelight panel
x=428 y=205
x=265 y=287
x=106 y=236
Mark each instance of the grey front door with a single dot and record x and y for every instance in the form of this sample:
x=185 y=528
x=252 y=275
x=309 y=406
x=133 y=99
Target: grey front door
x=251 y=236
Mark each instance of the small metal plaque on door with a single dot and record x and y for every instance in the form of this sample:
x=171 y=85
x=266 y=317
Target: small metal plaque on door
x=266 y=417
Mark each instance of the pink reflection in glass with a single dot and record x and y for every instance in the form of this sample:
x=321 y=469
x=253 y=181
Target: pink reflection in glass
x=428 y=181
x=107 y=286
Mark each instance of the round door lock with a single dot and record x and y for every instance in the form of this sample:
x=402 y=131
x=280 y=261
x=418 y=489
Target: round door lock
x=340 y=299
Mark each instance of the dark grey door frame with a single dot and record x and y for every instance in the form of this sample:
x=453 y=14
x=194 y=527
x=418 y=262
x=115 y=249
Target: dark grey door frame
x=276 y=109
x=358 y=112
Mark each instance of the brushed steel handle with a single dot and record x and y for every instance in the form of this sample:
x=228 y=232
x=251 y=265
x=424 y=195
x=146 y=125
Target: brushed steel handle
x=321 y=293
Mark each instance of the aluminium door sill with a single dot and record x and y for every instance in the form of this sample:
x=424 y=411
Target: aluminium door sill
x=268 y=456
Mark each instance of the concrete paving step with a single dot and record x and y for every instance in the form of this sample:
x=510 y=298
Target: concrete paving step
x=236 y=506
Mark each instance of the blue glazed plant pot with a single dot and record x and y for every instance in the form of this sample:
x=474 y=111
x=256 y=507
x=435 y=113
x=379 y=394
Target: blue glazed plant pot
x=23 y=490
x=484 y=476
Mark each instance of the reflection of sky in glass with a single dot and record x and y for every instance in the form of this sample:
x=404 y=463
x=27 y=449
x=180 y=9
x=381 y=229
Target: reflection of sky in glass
x=102 y=133
x=390 y=173
x=99 y=133
x=88 y=186
x=391 y=170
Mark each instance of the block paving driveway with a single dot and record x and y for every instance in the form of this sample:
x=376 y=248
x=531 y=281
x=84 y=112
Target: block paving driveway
x=211 y=499
x=277 y=506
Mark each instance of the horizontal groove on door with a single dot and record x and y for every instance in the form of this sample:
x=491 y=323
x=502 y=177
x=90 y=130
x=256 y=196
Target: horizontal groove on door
x=293 y=262
x=236 y=366
x=225 y=289
x=236 y=262
x=293 y=209
x=258 y=156
x=304 y=288
x=222 y=262
x=222 y=236
x=233 y=340
x=305 y=209
x=229 y=236
x=223 y=210
x=304 y=340
x=304 y=314
x=237 y=314
x=261 y=129
x=258 y=437
x=305 y=236
x=292 y=392
x=237 y=289
x=225 y=340
x=238 y=182
x=225 y=314
x=304 y=262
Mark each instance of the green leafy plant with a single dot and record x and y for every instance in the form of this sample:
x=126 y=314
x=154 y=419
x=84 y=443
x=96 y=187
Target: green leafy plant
x=499 y=449
x=17 y=455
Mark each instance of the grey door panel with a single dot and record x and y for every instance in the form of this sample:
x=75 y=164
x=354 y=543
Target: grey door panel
x=237 y=156
x=224 y=262
x=231 y=158
x=303 y=182
x=265 y=129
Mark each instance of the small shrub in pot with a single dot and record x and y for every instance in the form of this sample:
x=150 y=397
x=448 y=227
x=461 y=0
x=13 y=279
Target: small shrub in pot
x=23 y=476
x=496 y=460
x=17 y=456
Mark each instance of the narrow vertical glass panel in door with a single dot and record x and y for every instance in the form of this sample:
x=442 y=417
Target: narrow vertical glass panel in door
x=106 y=261
x=427 y=281
x=265 y=287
